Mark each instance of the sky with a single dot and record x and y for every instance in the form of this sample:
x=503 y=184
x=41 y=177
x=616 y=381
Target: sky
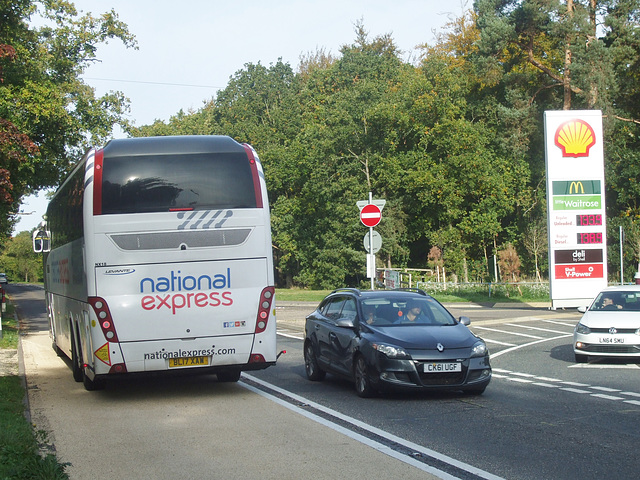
x=189 y=50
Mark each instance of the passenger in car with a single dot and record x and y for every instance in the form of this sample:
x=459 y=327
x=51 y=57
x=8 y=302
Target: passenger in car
x=369 y=314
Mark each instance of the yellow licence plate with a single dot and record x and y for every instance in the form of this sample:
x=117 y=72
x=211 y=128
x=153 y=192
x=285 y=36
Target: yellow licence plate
x=188 y=362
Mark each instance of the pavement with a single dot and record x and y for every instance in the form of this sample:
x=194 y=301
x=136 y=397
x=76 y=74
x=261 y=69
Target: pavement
x=8 y=362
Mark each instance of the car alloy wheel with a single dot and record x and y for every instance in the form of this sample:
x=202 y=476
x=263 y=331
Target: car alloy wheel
x=313 y=370
x=362 y=381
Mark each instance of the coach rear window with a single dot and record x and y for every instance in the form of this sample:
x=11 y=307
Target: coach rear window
x=159 y=183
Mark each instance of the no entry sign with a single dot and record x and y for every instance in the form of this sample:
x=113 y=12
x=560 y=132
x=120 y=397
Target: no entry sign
x=370 y=215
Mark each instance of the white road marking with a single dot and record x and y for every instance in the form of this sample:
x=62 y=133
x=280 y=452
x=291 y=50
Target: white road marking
x=606 y=397
x=572 y=325
x=528 y=327
x=573 y=390
x=488 y=340
x=571 y=387
x=524 y=345
x=289 y=335
x=507 y=332
x=369 y=428
x=606 y=389
x=606 y=366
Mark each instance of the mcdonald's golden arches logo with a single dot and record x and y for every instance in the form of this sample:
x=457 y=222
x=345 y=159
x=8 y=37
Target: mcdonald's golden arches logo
x=576 y=187
x=575 y=138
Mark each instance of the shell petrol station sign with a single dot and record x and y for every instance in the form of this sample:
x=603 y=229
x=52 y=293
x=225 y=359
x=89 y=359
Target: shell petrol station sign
x=575 y=206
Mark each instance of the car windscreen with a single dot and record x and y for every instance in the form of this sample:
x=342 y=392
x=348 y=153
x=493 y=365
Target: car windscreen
x=194 y=181
x=619 y=300
x=403 y=311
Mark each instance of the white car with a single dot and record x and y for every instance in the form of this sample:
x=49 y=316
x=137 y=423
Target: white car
x=3 y=278
x=610 y=326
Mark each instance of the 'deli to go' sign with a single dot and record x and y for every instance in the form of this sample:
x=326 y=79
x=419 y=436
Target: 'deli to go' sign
x=575 y=205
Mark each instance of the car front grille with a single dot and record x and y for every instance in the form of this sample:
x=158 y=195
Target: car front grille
x=626 y=331
x=620 y=349
x=441 y=379
x=445 y=379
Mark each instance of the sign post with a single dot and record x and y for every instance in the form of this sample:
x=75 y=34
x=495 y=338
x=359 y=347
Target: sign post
x=370 y=216
x=575 y=206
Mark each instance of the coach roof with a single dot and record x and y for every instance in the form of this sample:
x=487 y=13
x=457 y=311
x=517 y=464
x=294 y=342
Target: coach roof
x=128 y=147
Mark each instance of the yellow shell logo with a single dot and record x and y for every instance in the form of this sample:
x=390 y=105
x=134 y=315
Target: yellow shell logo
x=575 y=138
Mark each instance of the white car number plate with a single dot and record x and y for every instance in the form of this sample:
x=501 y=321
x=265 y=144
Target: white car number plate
x=442 y=367
x=611 y=339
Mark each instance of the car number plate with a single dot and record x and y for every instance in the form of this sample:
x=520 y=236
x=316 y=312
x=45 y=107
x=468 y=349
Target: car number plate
x=442 y=367
x=611 y=340
x=188 y=362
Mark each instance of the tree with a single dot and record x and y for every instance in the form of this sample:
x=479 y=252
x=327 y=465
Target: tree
x=454 y=143
x=536 y=243
x=557 y=40
x=509 y=262
x=19 y=260
x=43 y=100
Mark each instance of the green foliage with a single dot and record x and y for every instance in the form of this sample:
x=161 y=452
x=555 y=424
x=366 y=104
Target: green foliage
x=453 y=143
x=48 y=115
x=19 y=261
x=9 y=328
x=19 y=456
x=488 y=292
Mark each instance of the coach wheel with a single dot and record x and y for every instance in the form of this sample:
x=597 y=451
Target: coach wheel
x=228 y=376
x=76 y=361
x=91 y=385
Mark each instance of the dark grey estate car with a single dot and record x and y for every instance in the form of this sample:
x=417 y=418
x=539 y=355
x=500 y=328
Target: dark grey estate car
x=393 y=339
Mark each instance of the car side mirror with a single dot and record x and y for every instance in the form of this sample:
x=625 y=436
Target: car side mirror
x=583 y=309
x=345 y=323
x=465 y=320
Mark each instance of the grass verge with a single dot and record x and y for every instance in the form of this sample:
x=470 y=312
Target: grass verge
x=19 y=443
x=497 y=293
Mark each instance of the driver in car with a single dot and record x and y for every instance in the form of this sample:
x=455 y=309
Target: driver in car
x=413 y=314
x=609 y=304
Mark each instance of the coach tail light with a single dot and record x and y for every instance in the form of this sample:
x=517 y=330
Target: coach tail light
x=266 y=299
x=103 y=314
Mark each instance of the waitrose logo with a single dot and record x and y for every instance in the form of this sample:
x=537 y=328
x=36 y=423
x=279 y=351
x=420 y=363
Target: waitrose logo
x=573 y=202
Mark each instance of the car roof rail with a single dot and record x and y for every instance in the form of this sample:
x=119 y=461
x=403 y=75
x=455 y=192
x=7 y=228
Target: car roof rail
x=346 y=289
x=414 y=290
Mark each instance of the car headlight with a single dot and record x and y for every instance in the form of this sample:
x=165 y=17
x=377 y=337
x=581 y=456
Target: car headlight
x=390 y=351
x=582 y=329
x=479 y=350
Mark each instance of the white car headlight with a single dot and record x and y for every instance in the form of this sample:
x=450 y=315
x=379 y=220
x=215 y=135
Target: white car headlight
x=390 y=351
x=582 y=329
x=479 y=350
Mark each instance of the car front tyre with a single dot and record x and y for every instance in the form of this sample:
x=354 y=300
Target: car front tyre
x=361 y=377
x=311 y=367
